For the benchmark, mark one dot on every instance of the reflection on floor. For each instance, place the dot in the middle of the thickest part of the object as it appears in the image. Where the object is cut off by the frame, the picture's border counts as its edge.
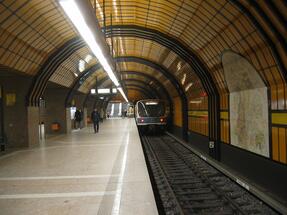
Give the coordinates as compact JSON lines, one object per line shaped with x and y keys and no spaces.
{"x":80,"y":173}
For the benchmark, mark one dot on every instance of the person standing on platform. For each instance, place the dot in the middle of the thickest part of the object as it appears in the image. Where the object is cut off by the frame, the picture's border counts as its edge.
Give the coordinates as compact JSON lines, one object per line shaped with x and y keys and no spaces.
{"x":78,"y":119}
{"x":95,"y":116}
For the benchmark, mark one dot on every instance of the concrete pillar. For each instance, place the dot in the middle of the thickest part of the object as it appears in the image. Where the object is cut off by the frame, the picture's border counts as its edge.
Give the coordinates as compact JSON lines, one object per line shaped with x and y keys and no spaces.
{"x":18,"y":131}
{"x":68,"y":123}
{"x":33,"y":125}
{"x":55,"y":110}
{"x":85,"y":115}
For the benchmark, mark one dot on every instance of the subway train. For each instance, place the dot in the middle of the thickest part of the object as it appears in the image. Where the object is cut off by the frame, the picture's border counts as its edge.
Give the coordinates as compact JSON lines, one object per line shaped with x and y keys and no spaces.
{"x":151,"y":115}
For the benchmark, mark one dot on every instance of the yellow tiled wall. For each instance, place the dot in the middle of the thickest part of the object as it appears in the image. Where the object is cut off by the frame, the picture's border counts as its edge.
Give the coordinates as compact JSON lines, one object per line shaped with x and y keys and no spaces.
{"x":177,"y":116}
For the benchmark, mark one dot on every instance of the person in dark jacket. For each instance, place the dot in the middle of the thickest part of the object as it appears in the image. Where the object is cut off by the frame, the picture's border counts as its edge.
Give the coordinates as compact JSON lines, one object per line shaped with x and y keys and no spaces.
{"x":95,"y":116}
{"x":78,"y":119}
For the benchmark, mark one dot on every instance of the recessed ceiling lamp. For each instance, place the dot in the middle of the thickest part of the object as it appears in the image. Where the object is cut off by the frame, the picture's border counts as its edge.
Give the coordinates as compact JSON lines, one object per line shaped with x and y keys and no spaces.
{"x":88,"y":58}
{"x":82,"y":65}
{"x":183,"y":79}
{"x":73,"y":12}
{"x":195,"y":102}
{"x":188,"y":86}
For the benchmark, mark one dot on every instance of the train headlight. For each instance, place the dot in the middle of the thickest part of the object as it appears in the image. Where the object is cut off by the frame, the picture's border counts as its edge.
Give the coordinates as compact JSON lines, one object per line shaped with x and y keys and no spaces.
{"x":161,"y":119}
{"x":141,"y":120}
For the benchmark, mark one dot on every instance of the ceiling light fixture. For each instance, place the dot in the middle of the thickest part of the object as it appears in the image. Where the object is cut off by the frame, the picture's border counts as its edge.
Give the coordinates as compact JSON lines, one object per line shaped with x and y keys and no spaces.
{"x":123,"y":94}
{"x":93,"y":91}
{"x":188,"y":86}
{"x":73,"y":12}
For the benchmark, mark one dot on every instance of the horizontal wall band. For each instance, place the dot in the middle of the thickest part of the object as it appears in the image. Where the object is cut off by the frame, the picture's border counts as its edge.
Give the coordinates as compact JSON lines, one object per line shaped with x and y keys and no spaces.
{"x":224,"y":115}
{"x":279,"y":118}
{"x":204,"y":113}
{"x":199,"y":114}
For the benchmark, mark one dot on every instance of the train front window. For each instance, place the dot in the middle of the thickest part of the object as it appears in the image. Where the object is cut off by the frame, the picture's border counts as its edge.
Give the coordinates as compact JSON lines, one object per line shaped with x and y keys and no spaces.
{"x":151,"y":109}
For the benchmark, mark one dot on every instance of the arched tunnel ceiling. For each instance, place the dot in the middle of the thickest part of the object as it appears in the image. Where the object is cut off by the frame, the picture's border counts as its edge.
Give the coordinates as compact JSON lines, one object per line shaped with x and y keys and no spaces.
{"x":207,"y":27}
{"x":69,"y":70}
{"x":30,"y":31}
{"x":137,"y":82}
{"x":135,"y":95}
{"x":90,"y":82}
{"x":128,"y":77}
{"x":134,"y":66}
{"x":130,"y":66}
{"x":151,"y":81}
{"x":33,"y":30}
{"x":132,"y":46}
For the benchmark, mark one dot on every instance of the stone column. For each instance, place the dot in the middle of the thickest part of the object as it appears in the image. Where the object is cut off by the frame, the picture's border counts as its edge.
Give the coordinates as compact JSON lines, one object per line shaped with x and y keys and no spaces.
{"x":33,"y":125}
{"x":85,"y":115}
{"x":68,"y":123}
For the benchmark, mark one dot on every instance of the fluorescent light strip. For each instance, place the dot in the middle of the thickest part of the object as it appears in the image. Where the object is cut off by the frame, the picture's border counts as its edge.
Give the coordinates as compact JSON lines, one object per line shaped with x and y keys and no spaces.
{"x":104,"y":91}
{"x":73,"y":12}
{"x":71,"y":9}
{"x":123,"y":94}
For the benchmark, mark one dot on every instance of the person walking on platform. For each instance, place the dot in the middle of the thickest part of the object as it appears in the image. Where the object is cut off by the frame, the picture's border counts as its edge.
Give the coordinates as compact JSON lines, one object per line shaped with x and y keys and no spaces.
{"x":95,"y":116}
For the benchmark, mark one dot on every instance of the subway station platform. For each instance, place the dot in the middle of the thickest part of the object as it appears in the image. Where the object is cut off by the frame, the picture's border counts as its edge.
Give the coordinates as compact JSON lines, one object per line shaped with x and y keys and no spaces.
{"x":80,"y":173}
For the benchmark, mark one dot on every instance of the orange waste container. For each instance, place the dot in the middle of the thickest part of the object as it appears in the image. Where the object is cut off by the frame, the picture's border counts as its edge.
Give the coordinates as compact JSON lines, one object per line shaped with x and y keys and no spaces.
{"x":55,"y":126}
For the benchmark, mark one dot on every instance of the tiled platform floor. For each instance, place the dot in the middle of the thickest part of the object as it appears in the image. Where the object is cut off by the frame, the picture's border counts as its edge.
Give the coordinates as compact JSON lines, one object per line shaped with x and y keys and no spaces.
{"x":80,"y":173}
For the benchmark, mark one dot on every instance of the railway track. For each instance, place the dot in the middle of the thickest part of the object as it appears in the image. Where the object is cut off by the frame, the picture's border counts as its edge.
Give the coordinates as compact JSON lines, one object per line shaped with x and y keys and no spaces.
{"x":188,"y":185}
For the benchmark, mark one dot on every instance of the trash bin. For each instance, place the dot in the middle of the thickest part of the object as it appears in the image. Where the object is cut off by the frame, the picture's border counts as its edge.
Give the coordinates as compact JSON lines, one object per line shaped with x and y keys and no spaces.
{"x":42,"y":131}
{"x":55,"y":126}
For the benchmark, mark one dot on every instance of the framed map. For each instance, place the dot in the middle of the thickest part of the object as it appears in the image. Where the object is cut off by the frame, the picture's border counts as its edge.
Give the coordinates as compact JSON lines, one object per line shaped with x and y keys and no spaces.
{"x":248,"y":105}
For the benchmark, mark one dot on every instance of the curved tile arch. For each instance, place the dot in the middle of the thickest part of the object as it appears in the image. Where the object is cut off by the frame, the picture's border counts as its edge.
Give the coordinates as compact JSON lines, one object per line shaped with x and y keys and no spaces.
{"x":148,"y":49}
{"x":49,"y":67}
{"x":135,"y":95}
{"x":153,"y":90}
{"x":84,"y":75}
{"x":72,"y":67}
{"x":146,"y":76}
{"x":230,"y":27}
{"x":30,"y":31}
{"x":266,"y":24}
{"x":151,"y":78}
{"x":91,"y":80}
{"x":144,"y":89}
{"x":140,"y":74}
{"x":174,"y":45}
{"x":140,"y":91}
{"x":135,"y":66}
{"x":207,"y":26}
{"x":88,"y":73}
